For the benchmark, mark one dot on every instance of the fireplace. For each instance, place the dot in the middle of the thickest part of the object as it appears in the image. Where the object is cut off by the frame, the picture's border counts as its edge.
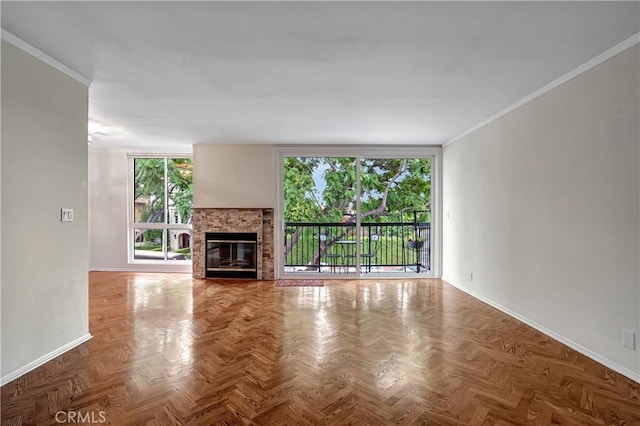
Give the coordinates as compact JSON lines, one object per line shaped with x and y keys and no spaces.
{"x":208,"y":220}
{"x":231,"y":255}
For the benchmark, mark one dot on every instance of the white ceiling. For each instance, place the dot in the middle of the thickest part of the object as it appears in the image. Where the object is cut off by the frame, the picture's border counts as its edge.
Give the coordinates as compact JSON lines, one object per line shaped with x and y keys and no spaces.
{"x":175,"y":73}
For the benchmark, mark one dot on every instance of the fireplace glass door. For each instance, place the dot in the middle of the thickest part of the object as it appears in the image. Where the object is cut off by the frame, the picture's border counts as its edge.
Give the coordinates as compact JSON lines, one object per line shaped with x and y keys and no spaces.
{"x":231,"y":255}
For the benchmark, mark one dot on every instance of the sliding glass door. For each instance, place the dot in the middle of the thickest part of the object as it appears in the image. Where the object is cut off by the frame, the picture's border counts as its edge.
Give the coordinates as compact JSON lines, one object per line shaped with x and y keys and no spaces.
{"x":346,"y":216}
{"x":395,"y":215}
{"x":320,"y":214}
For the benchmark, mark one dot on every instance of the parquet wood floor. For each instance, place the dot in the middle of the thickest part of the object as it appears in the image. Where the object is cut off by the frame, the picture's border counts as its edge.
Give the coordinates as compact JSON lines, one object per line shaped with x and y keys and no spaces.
{"x":168,"y":349}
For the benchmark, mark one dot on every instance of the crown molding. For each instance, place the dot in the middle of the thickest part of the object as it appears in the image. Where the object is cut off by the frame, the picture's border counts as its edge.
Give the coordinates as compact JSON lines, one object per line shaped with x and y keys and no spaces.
{"x":26,"y":47}
{"x":608,"y":54}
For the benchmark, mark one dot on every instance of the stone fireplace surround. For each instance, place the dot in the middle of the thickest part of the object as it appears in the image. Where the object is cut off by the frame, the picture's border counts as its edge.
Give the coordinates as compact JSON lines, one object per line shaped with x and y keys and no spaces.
{"x":256,"y":220}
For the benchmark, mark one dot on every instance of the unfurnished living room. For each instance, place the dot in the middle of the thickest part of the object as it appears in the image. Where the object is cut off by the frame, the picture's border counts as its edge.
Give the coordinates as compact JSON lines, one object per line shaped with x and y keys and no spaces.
{"x":321,"y":213}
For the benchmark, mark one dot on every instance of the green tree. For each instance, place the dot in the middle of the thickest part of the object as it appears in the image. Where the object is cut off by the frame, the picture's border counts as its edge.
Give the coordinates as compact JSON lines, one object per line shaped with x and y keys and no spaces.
{"x":390,"y":187}
{"x":180,"y":186}
{"x":149,"y":189}
{"x":301,"y":202}
{"x":150,"y":184}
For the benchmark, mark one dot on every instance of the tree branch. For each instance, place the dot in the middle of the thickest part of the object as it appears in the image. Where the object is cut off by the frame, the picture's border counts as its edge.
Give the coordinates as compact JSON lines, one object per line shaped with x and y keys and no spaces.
{"x":383,"y":205}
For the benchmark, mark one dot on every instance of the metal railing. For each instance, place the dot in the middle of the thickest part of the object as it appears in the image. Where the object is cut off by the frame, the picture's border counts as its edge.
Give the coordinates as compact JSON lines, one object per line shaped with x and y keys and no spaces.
{"x":331,"y":247}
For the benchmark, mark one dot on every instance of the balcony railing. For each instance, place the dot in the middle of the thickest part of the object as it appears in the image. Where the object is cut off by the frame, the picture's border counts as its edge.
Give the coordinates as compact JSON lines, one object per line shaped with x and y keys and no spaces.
{"x":331,"y":247}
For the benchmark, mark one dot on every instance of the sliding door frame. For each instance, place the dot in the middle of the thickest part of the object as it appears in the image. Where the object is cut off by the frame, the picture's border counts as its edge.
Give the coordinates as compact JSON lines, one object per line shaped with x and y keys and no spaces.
{"x":360,"y":152}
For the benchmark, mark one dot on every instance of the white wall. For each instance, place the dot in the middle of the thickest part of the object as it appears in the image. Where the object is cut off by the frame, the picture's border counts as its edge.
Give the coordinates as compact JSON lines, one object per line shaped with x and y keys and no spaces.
{"x":44,"y":168}
{"x":108,"y":210}
{"x":108,"y":185}
{"x":543,"y":208}
{"x":234,"y":176}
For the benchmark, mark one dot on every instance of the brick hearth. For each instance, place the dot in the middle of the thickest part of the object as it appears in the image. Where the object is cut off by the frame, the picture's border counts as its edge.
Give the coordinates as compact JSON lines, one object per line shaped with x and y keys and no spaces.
{"x":234,"y":220}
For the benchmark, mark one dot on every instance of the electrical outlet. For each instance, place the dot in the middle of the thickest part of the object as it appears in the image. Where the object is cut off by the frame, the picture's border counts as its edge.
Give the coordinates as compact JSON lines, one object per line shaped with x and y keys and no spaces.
{"x":628,"y":339}
{"x":66,"y":215}
{"x":471,"y":276}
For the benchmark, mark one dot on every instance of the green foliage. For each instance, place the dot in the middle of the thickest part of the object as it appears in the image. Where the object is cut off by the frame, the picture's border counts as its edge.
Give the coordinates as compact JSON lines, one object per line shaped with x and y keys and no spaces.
{"x":149,"y":247}
{"x":391,"y":250}
{"x":149,"y":188}
{"x":152,"y":236}
{"x":180,"y":186}
{"x":390,"y":188}
{"x":303,"y":252}
{"x":299,"y":199}
{"x":340,"y":188}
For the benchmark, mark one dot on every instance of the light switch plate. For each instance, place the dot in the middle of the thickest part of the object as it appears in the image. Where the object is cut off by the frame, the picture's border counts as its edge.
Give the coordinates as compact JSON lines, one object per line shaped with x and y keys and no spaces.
{"x":628,"y":339}
{"x":66,"y":215}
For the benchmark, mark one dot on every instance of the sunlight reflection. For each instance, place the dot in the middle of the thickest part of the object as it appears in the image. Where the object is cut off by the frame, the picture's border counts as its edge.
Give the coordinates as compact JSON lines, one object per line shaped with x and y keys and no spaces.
{"x":397,"y":360}
{"x":163,"y":318}
{"x":317,"y":305}
{"x":314,"y":297}
{"x":365,"y":297}
{"x":379,"y":287}
{"x":323,"y":330}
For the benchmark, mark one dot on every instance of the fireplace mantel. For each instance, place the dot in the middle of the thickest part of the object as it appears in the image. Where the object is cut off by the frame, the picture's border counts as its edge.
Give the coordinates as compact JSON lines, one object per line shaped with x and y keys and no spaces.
{"x":258,"y":220}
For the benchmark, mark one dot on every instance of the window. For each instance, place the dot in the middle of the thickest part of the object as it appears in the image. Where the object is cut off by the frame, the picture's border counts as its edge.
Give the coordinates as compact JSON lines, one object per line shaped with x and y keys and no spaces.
{"x":359,"y":211}
{"x":160,"y":213}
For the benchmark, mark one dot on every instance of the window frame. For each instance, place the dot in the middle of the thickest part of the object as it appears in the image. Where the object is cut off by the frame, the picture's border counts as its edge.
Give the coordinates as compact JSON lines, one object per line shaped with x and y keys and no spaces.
{"x":359,"y":152}
{"x":132,"y":225}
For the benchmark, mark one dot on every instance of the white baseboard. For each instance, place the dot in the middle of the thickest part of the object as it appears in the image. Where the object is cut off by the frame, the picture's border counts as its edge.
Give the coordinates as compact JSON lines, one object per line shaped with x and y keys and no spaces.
{"x":92,"y":269}
{"x":559,"y":337}
{"x":44,"y":359}
{"x":151,"y":268}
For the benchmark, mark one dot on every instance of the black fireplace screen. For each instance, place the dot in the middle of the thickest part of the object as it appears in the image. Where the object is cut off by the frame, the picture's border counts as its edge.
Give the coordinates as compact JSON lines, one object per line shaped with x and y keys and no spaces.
{"x":231,"y":255}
